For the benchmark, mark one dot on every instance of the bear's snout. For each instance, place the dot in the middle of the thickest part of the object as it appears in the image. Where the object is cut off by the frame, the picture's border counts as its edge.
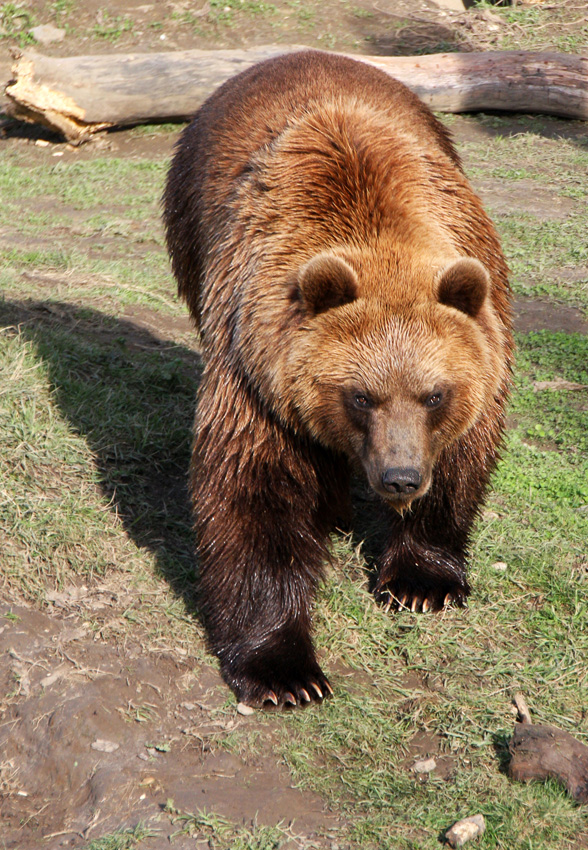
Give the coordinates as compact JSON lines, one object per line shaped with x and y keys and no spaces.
{"x":404,"y":481}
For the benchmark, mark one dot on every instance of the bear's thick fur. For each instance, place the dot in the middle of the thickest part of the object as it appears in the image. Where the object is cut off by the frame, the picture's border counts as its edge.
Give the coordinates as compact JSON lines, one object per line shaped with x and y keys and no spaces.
{"x":352,"y":300}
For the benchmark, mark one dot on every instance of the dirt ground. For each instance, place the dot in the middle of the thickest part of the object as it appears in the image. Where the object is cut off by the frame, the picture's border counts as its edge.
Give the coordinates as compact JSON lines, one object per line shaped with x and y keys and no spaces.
{"x":77,"y":760}
{"x":98,"y":734}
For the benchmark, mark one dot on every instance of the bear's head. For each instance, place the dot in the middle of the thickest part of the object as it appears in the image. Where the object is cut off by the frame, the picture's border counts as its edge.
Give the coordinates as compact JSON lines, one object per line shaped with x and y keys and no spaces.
{"x":391,"y":375}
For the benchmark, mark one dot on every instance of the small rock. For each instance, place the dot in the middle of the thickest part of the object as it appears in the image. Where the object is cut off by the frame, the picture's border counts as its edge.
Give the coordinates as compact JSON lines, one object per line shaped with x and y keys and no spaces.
{"x":104,"y":746}
{"x":424,"y":765}
{"x":41,"y":143}
{"x":50,"y":679}
{"x":245,"y":710}
{"x":466,"y":829}
{"x":47,"y":33}
{"x":501,"y":566}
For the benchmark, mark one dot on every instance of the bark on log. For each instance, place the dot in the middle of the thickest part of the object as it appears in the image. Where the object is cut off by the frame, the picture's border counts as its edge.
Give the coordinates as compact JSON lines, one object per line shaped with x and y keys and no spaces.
{"x":81,"y":95}
{"x":539,"y":752}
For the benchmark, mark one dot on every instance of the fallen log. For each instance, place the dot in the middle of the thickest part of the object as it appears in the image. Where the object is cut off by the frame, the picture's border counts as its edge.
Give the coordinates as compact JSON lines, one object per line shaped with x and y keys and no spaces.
{"x":81,"y":95}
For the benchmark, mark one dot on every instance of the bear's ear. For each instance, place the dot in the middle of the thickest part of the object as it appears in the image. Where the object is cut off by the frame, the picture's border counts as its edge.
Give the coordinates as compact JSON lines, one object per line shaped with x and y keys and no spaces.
{"x":464,"y":285}
{"x":326,"y":282}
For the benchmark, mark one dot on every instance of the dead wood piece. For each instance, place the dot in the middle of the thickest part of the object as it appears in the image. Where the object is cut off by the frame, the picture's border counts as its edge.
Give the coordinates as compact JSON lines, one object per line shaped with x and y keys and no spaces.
{"x":522,"y":708}
{"x":80,"y":95}
{"x":539,"y":752}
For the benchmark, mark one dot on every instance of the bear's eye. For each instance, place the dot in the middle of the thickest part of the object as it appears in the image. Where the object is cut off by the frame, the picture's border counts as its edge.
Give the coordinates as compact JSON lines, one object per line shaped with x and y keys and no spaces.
{"x":362,"y":401}
{"x":434,"y":400}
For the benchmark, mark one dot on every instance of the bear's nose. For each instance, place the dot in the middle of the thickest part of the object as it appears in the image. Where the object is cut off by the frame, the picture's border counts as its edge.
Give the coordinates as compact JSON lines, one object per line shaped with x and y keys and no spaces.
{"x":401,"y":480}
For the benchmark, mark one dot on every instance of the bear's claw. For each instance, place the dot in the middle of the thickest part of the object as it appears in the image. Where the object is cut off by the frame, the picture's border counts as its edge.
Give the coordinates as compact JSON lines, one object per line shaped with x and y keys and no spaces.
{"x":294,"y":691}
{"x":297,"y":696}
{"x":416,"y":603}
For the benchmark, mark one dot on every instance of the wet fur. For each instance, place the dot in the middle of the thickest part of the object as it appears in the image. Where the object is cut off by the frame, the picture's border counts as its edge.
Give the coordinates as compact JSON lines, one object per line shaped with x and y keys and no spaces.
{"x":300,"y":156}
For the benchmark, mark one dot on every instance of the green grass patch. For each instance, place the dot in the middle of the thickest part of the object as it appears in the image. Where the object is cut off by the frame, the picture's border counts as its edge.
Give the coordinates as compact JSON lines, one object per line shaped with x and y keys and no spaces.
{"x":118,"y":244}
{"x":547,"y":356}
{"x":86,"y":184}
{"x":84,"y":417}
{"x":537,"y":250}
{"x":533,"y":27}
{"x":224,"y":13}
{"x":124,"y":839}
{"x":547,"y":256}
{"x":223,"y":834}
{"x":112,"y":27}
{"x":15,"y":21}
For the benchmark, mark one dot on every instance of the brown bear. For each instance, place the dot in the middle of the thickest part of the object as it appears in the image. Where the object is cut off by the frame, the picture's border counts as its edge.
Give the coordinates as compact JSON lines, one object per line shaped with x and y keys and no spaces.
{"x":353,"y":306}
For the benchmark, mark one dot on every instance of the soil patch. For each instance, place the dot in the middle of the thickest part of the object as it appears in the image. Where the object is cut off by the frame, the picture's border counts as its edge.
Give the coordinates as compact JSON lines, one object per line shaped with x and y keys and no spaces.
{"x":523,"y":196}
{"x":97,"y":736}
{"x":538,"y":315}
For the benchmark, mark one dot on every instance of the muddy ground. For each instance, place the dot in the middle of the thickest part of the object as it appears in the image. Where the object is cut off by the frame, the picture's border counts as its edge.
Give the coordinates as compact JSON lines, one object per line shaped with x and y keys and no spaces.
{"x":98,"y":734}
{"x":102,"y":736}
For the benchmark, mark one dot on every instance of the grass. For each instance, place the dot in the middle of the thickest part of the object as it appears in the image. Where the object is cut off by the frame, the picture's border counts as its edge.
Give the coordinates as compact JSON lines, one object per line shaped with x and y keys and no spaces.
{"x":125,"y":839}
{"x":112,"y":27}
{"x":223,"y":11}
{"x":95,"y":420}
{"x":61,"y":9}
{"x":15,"y":22}
{"x":118,"y":246}
{"x":548,"y":256}
{"x":532,"y":27}
{"x":222,"y":834}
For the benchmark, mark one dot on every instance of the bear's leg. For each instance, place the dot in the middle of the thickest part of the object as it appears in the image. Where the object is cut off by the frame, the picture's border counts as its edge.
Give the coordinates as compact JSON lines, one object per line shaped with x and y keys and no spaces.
{"x":262,"y":519}
{"x":423,"y":566}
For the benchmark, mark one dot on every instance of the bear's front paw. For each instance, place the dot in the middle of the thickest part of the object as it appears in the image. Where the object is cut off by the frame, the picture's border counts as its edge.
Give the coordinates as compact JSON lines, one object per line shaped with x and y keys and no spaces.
{"x":400,"y":596}
{"x":268,"y":680}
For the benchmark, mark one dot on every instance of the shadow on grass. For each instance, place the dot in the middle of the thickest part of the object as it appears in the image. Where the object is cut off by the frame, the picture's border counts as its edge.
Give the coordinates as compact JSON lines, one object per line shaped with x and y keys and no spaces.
{"x":500,"y":743}
{"x":131,"y":395}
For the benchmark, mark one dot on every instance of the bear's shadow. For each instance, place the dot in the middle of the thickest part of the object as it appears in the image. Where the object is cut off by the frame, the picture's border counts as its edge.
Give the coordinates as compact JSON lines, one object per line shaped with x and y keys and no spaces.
{"x":130,"y":395}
